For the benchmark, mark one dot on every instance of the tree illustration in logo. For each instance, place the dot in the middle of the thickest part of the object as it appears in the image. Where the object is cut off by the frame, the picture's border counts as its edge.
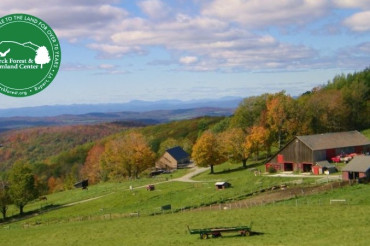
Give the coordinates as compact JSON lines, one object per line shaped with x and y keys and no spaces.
{"x":42,"y":56}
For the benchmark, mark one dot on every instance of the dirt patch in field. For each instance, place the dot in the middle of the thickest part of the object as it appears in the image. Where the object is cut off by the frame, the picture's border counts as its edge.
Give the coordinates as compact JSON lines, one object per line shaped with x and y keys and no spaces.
{"x":279,"y":194}
{"x":276,"y":194}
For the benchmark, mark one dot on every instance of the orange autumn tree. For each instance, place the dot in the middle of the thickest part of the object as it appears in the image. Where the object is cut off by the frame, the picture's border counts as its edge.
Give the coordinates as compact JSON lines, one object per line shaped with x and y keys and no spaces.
{"x":208,"y":151}
{"x":127,"y":156}
{"x":234,"y":142}
{"x":92,"y":168}
{"x":258,"y":138}
{"x":280,"y":115}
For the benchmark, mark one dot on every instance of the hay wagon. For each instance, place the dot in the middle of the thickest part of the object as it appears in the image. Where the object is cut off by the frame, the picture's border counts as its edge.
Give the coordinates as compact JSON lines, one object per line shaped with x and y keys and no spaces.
{"x":216,"y":231}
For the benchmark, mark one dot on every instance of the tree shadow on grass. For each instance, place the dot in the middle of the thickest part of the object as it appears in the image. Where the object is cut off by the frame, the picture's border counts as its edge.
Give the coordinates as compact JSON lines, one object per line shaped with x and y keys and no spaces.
{"x":30,"y":214}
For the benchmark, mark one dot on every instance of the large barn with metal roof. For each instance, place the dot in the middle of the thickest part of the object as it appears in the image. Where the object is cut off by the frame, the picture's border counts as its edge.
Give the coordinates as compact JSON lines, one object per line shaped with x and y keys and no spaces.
{"x":303,"y":152}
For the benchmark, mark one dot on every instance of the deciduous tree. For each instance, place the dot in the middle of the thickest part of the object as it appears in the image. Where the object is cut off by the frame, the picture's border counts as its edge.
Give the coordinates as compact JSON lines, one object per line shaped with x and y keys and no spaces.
{"x":92,"y":168}
{"x":280,"y":119}
{"x":257,"y":138}
{"x":207,"y":151}
{"x":5,"y":199}
{"x":249,"y":112}
{"x":22,"y":185}
{"x":127,"y":156}
{"x":234,"y":142}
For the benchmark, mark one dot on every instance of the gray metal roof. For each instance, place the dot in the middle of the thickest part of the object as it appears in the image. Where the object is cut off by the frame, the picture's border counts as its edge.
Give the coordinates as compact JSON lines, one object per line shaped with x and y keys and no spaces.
{"x":334,"y":140}
{"x":178,"y":153}
{"x":325,"y":164}
{"x":360,"y":163}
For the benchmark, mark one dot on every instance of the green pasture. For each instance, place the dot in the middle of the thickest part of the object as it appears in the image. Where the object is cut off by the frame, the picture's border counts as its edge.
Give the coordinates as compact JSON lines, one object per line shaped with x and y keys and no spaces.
{"x":103,"y":189}
{"x":106,"y":214}
{"x":119,"y":200}
{"x":276,"y":224}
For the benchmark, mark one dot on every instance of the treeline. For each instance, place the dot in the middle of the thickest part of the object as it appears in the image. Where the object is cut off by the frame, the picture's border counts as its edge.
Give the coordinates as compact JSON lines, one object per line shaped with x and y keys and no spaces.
{"x":261,"y":124}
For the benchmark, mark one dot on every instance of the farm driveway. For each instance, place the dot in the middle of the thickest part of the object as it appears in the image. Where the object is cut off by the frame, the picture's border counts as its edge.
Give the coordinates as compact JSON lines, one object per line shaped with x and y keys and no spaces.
{"x":195,"y":171}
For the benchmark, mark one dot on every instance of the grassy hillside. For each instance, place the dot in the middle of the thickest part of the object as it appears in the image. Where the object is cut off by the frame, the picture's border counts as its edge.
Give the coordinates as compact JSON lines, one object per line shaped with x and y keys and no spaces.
{"x":105,"y":221}
{"x":284,"y":225}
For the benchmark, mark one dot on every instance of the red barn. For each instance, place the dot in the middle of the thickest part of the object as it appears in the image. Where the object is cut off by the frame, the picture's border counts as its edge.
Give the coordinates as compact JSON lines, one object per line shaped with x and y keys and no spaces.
{"x":301,"y":153}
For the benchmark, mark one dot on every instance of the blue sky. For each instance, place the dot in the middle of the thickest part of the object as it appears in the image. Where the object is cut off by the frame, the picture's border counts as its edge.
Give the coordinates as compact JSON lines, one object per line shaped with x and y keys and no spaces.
{"x":122,"y":50}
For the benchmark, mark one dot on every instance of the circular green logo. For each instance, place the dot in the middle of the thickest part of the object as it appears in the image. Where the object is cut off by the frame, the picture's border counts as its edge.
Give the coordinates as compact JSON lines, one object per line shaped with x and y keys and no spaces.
{"x":29,"y":55}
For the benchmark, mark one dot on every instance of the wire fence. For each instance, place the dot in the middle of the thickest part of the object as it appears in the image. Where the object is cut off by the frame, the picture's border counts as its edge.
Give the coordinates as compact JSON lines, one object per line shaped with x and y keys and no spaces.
{"x":292,"y":198}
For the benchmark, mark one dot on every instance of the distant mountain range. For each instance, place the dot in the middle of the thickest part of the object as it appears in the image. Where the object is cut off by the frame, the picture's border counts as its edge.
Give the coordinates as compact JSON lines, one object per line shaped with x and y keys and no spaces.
{"x":133,"y":106}
{"x":136,"y":111}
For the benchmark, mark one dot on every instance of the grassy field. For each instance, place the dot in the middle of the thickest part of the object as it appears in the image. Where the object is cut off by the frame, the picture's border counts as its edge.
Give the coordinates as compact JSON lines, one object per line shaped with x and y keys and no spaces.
{"x":116,"y":198}
{"x":278,"y":224}
{"x":100,"y":215}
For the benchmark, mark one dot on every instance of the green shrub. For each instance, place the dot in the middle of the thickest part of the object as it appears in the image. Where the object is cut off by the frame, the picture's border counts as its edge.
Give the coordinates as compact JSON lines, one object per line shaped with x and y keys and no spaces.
{"x":271,"y":170}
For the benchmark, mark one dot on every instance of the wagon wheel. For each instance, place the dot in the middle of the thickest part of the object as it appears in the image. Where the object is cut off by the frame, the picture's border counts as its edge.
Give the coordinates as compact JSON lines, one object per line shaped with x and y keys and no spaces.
{"x":204,"y":236}
{"x":245,"y":233}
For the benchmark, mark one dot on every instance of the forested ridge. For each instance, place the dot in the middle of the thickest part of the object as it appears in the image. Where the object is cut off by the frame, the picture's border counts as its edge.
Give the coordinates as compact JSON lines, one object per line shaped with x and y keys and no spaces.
{"x":41,"y":143}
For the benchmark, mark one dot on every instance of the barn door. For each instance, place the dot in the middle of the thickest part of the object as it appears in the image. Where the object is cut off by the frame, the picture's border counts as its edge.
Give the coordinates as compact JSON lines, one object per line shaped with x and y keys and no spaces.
{"x":330,"y":153}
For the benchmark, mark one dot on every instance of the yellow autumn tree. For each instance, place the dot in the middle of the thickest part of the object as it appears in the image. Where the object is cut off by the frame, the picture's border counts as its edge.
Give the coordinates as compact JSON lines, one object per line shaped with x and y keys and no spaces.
{"x":208,"y":151}
{"x":127,"y":156}
{"x":258,"y":138}
{"x":234,"y":142}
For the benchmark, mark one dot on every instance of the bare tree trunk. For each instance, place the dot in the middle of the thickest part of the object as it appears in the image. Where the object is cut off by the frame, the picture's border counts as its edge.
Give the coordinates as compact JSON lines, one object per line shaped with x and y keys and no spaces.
{"x":3,"y":211}
{"x":21,"y":209}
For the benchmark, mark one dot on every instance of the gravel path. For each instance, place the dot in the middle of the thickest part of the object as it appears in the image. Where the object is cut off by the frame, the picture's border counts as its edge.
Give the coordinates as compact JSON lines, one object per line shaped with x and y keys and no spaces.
{"x":195,"y":171}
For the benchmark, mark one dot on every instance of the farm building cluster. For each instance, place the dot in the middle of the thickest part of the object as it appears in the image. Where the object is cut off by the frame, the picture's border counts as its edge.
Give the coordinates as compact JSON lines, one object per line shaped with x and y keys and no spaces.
{"x":317,"y":153}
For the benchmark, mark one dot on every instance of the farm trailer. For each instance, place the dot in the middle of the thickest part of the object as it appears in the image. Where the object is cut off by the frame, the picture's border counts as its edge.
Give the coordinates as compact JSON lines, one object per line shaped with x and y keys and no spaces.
{"x":216,"y":231}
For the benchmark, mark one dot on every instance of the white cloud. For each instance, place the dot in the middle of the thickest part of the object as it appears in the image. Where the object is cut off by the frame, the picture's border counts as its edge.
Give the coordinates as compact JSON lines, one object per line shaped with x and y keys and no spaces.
{"x":262,"y":13}
{"x":359,"y":22}
{"x":188,"y":60}
{"x":70,"y":19}
{"x":221,"y":45}
{"x":225,"y":34}
{"x":155,"y":9}
{"x":364,"y":4}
